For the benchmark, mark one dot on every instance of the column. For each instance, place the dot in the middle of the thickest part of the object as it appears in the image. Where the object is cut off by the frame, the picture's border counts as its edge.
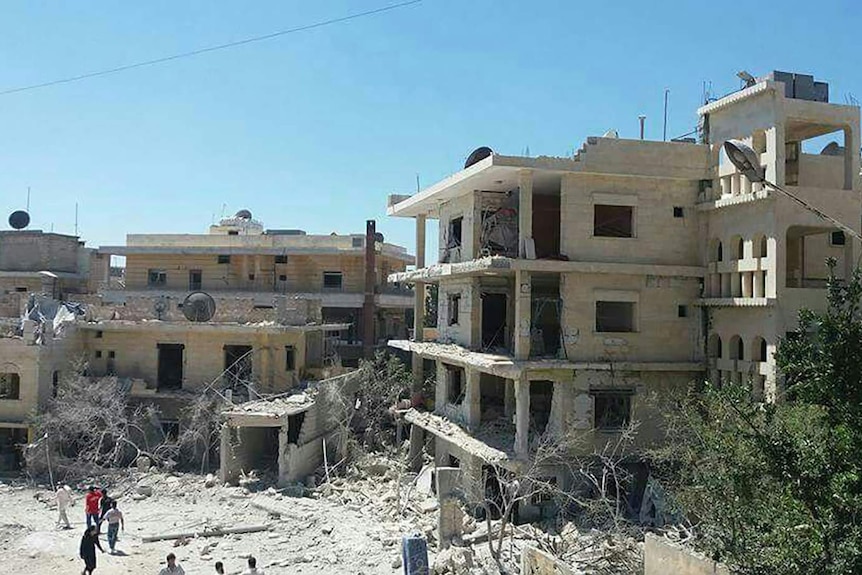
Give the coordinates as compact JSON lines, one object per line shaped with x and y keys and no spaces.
{"x":442,"y":387}
{"x":472,"y":397}
{"x":509,"y":398}
{"x":522,"y":417}
{"x":735,"y":285}
{"x":419,"y":302}
{"x":417,"y":442}
{"x":257,"y":270}
{"x":851,"y":157}
{"x":746,"y":284}
{"x":725,"y":285}
{"x":525,"y":210}
{"x":243,"y":271}
{"x":775,"y":154}
{"x":523,"y":314}
{"x":758,"y":289}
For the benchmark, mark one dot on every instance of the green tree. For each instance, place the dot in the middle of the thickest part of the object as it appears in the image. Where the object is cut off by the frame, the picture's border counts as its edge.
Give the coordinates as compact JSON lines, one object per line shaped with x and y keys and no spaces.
{"x":777,"y":488}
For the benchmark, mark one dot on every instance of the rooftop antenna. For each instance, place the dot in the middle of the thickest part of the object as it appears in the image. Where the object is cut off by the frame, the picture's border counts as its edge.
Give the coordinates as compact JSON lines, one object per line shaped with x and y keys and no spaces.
{"x":28,"y":199}
{"x":642,"y":118}
{"x":223,"y":208}
{"x":747,"y":78}
{"x":417,"y":183}
{"x":76,"y":218}
{"x":664,"y":130}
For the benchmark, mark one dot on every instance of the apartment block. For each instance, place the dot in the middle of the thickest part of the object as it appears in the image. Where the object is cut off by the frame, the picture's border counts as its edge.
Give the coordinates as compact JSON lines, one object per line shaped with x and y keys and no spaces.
{"x":574,"y":291}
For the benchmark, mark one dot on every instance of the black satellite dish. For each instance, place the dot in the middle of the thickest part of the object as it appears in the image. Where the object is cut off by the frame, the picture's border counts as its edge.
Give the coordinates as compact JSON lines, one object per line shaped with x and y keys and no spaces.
{"x":19,"y":219}
{"x":199,"y":307}
{"x":478,"y":155}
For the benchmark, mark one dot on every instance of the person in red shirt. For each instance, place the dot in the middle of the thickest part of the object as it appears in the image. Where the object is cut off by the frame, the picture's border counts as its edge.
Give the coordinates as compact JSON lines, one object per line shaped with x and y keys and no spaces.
{"x":91,"y":506}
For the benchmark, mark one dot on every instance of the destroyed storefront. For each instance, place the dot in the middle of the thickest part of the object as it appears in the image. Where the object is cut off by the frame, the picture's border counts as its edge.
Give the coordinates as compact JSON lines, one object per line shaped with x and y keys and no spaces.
{"x":283,"y":438}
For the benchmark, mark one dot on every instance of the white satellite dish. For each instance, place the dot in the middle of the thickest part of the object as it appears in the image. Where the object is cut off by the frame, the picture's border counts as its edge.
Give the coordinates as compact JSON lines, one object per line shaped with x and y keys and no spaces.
{"x":611,"y":134}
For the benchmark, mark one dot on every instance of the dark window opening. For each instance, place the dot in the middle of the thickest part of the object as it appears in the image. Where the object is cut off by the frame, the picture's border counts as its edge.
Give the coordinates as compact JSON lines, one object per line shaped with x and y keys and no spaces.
{"x":157,"y":278}
{"x":233,"y":232}
{"x":762,"y":350}
{"x":294,"y":427}
{"x":357,"y":242}
{"x":454,"y":384}
{"x":99,"y":334}
{"x":541,"y":397}
{"x":719,"y":253}
{"x":454,"y":461}
{"x":98,"y":354}
{"x":494,"y":320}
{"x":332,"y":280}
{"x":171,"y":429}
{"x":251,"y":277}
{"x":170,"y":366}
{"x":682,"y":311}
{"x":613,"y":221}
{"x":677,"y":211}
{"x":289,"y":358}
{"x":837,"y":239}
{"x":281,"y":259}
{"x":612,"y":409}
{"x":223,"y":259}
{"x":546,"y":225}
{"x":455,"y":232}
{"x":238,"y":367}
{"x":615,"y":316}
{"x":10,"y":386}
{"x":21,"y":289}
{"x":282,"y":277}
{"x":112,"y":354}
{"x":195,"y":280}
{"x":55,"y":383}
{"x":492,"y":397}
{"x":545,"y":316}
{"x":454,"y":305}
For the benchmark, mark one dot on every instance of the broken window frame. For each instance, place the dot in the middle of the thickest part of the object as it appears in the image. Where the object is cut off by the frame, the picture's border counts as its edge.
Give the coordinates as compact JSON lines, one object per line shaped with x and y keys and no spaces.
{"x":619,"y":400}
{"x":616,"y":224}
{"x":603,"y":316}
{"x":451,"y":381}
{"x":157,"y":277}
{"x":223,"y":259}
{"x":455,"y":228}
{"x":835,"y":242}
{"x":281,"y":259}
{"x":10,"y":386}
{"x":332,"y":276}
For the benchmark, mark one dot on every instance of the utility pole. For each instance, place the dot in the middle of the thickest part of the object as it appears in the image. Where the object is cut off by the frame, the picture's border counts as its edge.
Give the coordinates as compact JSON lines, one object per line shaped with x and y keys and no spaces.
{"x":370,"y":281}
{"x":664,"y":131}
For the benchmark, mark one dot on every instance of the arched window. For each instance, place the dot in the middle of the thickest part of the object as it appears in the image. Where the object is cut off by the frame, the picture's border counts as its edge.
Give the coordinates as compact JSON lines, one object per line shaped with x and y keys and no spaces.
{"x":737,"y":248}
{"x":758,"y":349}
{"x":719,"y":252}
{"x":737,"y":348}
{"x":763,"y":247}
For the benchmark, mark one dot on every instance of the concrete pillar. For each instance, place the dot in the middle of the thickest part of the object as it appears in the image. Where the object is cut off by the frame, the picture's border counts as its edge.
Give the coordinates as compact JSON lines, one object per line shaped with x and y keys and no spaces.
{"x":440,"y":399}
{"x":523,"y":314}
{"x":525,"y":210}
{"x":734,"y":184}
{"x":758,"y":287}
{"x":227,"y":469}
{"x":725,"y":285}
{"x":243,"y":271}
{"x":522,"y":418}
{"x":417,"y":444}
{"x":473,"y":397}
{"x":283,"y":456}
{"x":257,"y":270}
{"x":776,"y":154}
{"x":509,"y":398}
{"x":746,"y":284}
{"x":851,"y":157}
{"x":419,"y":302}
{"x":475,"y":231}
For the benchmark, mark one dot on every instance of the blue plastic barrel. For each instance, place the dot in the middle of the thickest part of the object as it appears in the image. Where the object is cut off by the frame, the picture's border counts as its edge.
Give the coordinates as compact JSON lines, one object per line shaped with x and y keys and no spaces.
{"x":414,"y":555}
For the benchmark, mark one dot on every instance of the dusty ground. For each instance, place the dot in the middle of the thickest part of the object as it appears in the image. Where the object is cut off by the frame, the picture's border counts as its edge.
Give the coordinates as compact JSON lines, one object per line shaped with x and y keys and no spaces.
{"x":336,"y":533}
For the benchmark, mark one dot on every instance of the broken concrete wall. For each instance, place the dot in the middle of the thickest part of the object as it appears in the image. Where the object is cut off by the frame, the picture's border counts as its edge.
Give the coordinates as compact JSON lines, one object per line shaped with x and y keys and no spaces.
{"x":463,"y":208}
{"x":466,"y":293}
{"x":536,"y":562}
{"x":662,"y":557}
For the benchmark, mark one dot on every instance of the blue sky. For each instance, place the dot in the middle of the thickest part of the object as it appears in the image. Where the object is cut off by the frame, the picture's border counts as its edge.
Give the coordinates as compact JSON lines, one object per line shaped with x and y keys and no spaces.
{"x":313,"y":130}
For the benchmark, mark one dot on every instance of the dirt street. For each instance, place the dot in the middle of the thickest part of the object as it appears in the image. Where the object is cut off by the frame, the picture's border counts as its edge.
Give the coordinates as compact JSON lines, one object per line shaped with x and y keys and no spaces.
{"x":334,"y":534}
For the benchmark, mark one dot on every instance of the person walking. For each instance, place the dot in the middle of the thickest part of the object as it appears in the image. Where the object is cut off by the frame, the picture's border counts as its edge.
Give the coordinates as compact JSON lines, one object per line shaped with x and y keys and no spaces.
{"x":104,"y":504}
{"x":252,"y":567}
{"x":64,"y":500}
{"x":172,"y":568}
{"x":91,"y":506}
{"x":89,"y":542}
{"x":115,"y":520}
{"x":219,"y":567}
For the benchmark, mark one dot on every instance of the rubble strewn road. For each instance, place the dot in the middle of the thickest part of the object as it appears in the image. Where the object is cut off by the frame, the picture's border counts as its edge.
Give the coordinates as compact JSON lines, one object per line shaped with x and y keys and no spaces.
{"x":335,"y":532}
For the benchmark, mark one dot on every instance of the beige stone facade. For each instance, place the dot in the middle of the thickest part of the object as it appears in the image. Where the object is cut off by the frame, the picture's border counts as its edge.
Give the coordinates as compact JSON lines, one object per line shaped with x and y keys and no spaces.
{"x":573,"y":290}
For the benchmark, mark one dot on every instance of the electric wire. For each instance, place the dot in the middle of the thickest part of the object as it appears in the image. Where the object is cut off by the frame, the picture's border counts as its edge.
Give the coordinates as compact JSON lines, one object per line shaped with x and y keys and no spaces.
{"x":208,"y":49}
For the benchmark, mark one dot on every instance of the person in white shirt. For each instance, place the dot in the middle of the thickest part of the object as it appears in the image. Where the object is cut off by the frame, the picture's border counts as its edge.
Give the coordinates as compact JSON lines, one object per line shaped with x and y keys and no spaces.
{"x":115,"y":520}
{"x":252,"y":568}
{"x":172,"y":568}
{"x":64,"y":500}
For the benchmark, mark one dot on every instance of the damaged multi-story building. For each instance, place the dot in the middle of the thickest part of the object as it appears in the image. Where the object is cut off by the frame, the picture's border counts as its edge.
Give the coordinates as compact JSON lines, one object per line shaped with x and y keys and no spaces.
{"x":573,"y":290}
{"x":33,"y":355}
{"x":244,"y":311}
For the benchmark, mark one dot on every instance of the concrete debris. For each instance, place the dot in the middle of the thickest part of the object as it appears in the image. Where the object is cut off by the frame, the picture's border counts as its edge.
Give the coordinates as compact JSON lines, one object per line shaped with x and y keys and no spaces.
{"x":454,"y":561}
{"x":210,"y":480}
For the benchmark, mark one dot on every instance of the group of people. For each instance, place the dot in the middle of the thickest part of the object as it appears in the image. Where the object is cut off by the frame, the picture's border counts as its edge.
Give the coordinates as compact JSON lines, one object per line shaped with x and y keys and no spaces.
{"x":100,"y":508}
{"x":174,"y":568}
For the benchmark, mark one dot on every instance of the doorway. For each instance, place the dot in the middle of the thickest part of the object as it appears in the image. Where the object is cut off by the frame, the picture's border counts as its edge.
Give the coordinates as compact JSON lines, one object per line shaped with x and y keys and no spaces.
{"x":170,"y":368}
{"x":493,"y":320}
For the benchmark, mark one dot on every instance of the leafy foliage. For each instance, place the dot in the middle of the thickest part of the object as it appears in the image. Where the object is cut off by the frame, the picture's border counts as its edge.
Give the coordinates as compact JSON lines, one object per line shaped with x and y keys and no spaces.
{"x":777,"y":488}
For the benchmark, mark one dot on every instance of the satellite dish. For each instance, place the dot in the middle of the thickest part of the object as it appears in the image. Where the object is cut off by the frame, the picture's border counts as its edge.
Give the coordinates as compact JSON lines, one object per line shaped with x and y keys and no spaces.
{"x":611,"y":134}
{"x":832,"y":149}
{"x":243,"y":215}
{"x":478,"y":155}
{"x":378,"y":237}
{"x":199,"y":307}
{"x":19,"y":219}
